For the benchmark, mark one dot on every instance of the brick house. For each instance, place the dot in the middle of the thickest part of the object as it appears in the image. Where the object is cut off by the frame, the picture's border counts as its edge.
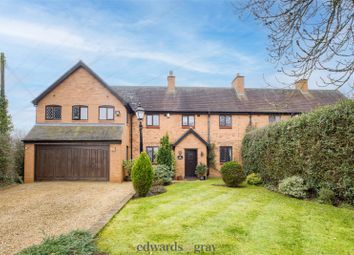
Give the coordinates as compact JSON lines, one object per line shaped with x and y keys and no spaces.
{"x":85,"y":128}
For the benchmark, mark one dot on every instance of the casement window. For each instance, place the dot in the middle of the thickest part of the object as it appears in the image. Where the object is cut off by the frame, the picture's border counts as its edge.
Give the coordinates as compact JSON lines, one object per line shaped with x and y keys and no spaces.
{"x":225,"y":121}
{"x":106,"y":113}
{"x":188,"y":121}
{"x":225,"y":154}
{"x":80,"y":112}
{"x":152,"y":152}
{"x":53,"y":112}
{"x":274,"y":118}
{"x":152,"y":120}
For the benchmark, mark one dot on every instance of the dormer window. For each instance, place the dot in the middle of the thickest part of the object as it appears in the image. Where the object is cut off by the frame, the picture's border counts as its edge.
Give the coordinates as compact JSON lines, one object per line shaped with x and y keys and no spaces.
{"x":106,"y":112}
{"x":80,"y":112}
{"x":53,"y":112}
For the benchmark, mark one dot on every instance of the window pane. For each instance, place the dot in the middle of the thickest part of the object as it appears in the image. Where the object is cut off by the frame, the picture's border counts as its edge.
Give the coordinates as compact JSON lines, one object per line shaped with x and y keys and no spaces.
{"x":76,"y":113}
{"x":149,"y":120}
{"x":191,"y":120}
{"x":49,"y":113}
{"x":103,"y":113}
{"x":57,"y":113}
{"x":271,"y":118}
{"x":185,"y":120}
{"x":229,"y":154}
{"x":228,"y":121}
{"x":222,"y":120}
{"x":149,"y":151}
{"x":110,"y":113}
{"x":83,"y":113}
{"x":155,"y":120}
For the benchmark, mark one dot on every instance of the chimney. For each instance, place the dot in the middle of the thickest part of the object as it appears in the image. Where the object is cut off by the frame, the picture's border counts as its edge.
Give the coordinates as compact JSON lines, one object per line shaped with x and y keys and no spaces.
{"x":171,"y":82}
{"x":302,"y":85}
{"x":239,"y":84}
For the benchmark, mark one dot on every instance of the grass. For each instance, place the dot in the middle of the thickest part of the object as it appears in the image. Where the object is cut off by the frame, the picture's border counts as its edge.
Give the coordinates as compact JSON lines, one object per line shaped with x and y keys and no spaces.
{"x":248,"y":220}
{"x":76,"y":242}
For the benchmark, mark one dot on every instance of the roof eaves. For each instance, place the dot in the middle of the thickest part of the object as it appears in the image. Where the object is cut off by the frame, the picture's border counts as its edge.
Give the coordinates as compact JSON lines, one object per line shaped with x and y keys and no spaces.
{"x":190,"y":131}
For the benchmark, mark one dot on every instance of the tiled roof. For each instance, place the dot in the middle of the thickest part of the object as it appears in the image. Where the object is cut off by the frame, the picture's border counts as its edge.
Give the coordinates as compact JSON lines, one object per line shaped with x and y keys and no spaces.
{"x":207,"y":99}
{"x":74,"y":133}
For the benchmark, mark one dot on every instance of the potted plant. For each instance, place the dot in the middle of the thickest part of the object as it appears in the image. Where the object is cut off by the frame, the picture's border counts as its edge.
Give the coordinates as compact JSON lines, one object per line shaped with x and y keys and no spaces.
{"x":201,"y":171}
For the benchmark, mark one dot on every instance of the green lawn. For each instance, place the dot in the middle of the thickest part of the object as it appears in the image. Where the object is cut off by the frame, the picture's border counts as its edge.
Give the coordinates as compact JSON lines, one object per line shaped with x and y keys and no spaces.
{"x":248,"y":220}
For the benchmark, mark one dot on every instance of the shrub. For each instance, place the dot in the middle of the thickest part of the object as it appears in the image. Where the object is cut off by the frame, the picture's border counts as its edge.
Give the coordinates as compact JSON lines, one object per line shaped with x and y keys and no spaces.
{"x":232,"y":174}
{"x":326,"y":196}
{"x":201,"y":170}
{"x":162,"y":175}
{"x":18,"y":159}
{"x":253,"y":179}
{"x":76,"y":242}
{"x":127,"y":166}
{"x":211,"y":155}
{"x":293,"y":186}
{"x":318,"y":146}
{"x":142,"y":174}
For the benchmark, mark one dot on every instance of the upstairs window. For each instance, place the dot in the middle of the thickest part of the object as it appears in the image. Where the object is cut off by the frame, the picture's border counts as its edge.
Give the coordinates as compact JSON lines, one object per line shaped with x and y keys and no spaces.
{"x":274,"y":118}
{"x":53,"y":112}
{"x":80,"y":112}
{"x":188,"y":121}
{"x":225,"y":154}
{"x":152,"y":120}
{"x":152,"y":152}
{"x":225,"y":121}
{"x":106,"y":113}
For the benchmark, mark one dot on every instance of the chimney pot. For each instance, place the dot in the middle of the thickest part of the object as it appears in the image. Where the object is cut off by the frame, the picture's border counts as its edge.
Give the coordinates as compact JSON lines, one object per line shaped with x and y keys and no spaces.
{"x":239,"y":84}
{"x":171,"y":82}
{"x":302,"y":85}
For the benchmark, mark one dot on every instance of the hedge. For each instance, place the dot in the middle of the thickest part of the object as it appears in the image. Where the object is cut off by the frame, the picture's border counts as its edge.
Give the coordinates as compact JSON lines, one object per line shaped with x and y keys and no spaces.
{"x":318,"y":146}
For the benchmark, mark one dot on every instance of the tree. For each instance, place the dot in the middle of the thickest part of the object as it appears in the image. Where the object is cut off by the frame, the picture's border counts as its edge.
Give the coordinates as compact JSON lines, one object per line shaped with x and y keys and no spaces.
{"x":5,"y":118}
{"x":164,"y":154}
{"x":5,"y":140}
{"x":308,"y":36}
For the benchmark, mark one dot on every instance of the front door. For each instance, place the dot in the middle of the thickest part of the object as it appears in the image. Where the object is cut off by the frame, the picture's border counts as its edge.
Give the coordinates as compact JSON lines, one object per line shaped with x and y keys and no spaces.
{"x":190,"y":162}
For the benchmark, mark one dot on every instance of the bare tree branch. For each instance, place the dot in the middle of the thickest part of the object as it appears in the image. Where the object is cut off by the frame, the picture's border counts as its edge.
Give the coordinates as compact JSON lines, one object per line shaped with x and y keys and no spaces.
{"x":307,"y":36}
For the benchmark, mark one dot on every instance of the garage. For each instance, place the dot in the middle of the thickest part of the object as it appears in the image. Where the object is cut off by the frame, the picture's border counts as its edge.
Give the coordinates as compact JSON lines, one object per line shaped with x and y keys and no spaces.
{"x":72,"y":162}
{"x":68,"y":152}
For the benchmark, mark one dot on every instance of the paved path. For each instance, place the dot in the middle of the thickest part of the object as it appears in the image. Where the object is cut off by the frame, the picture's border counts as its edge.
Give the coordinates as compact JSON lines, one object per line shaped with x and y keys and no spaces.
{"x":29,"y":212}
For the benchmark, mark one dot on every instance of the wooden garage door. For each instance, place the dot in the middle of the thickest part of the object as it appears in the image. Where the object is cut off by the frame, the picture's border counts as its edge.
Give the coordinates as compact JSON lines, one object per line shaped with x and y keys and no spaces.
{"x":72,"y":162}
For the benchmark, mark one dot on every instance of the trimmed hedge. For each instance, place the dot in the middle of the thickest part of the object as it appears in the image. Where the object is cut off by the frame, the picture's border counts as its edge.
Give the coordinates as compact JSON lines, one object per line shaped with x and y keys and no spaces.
{"x":317,"y":146}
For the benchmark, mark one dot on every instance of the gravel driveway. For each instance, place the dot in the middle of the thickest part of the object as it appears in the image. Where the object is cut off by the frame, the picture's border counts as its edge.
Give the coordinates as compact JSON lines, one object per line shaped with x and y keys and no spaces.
{"x":29,"y":212}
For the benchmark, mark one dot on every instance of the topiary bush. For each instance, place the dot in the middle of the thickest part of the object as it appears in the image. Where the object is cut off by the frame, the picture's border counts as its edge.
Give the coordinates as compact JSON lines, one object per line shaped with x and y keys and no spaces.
{"x":253,"y":179}
{"x":162,"y":175}
{"x":232,"y":174}
{"x":326,"y":196}
{"x":142,"y":174}
{"x":318,"y":146}
{"x":293,"y":186}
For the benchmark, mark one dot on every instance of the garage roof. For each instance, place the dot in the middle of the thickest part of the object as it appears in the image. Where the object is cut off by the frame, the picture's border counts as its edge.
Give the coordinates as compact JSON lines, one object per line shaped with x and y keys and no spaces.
{"x":74,"y":133}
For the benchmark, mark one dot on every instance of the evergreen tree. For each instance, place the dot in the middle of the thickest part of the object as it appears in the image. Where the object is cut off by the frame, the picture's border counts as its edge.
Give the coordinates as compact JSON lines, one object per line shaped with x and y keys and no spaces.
{"x":164,"y":154}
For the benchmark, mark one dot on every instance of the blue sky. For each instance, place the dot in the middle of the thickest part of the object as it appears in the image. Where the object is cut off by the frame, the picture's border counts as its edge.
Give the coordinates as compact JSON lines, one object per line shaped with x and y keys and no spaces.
{"x":128,"y":43}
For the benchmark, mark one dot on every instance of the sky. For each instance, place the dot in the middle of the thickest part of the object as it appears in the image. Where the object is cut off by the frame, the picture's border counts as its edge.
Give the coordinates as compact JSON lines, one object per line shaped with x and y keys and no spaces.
{"x":205,"y":43}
